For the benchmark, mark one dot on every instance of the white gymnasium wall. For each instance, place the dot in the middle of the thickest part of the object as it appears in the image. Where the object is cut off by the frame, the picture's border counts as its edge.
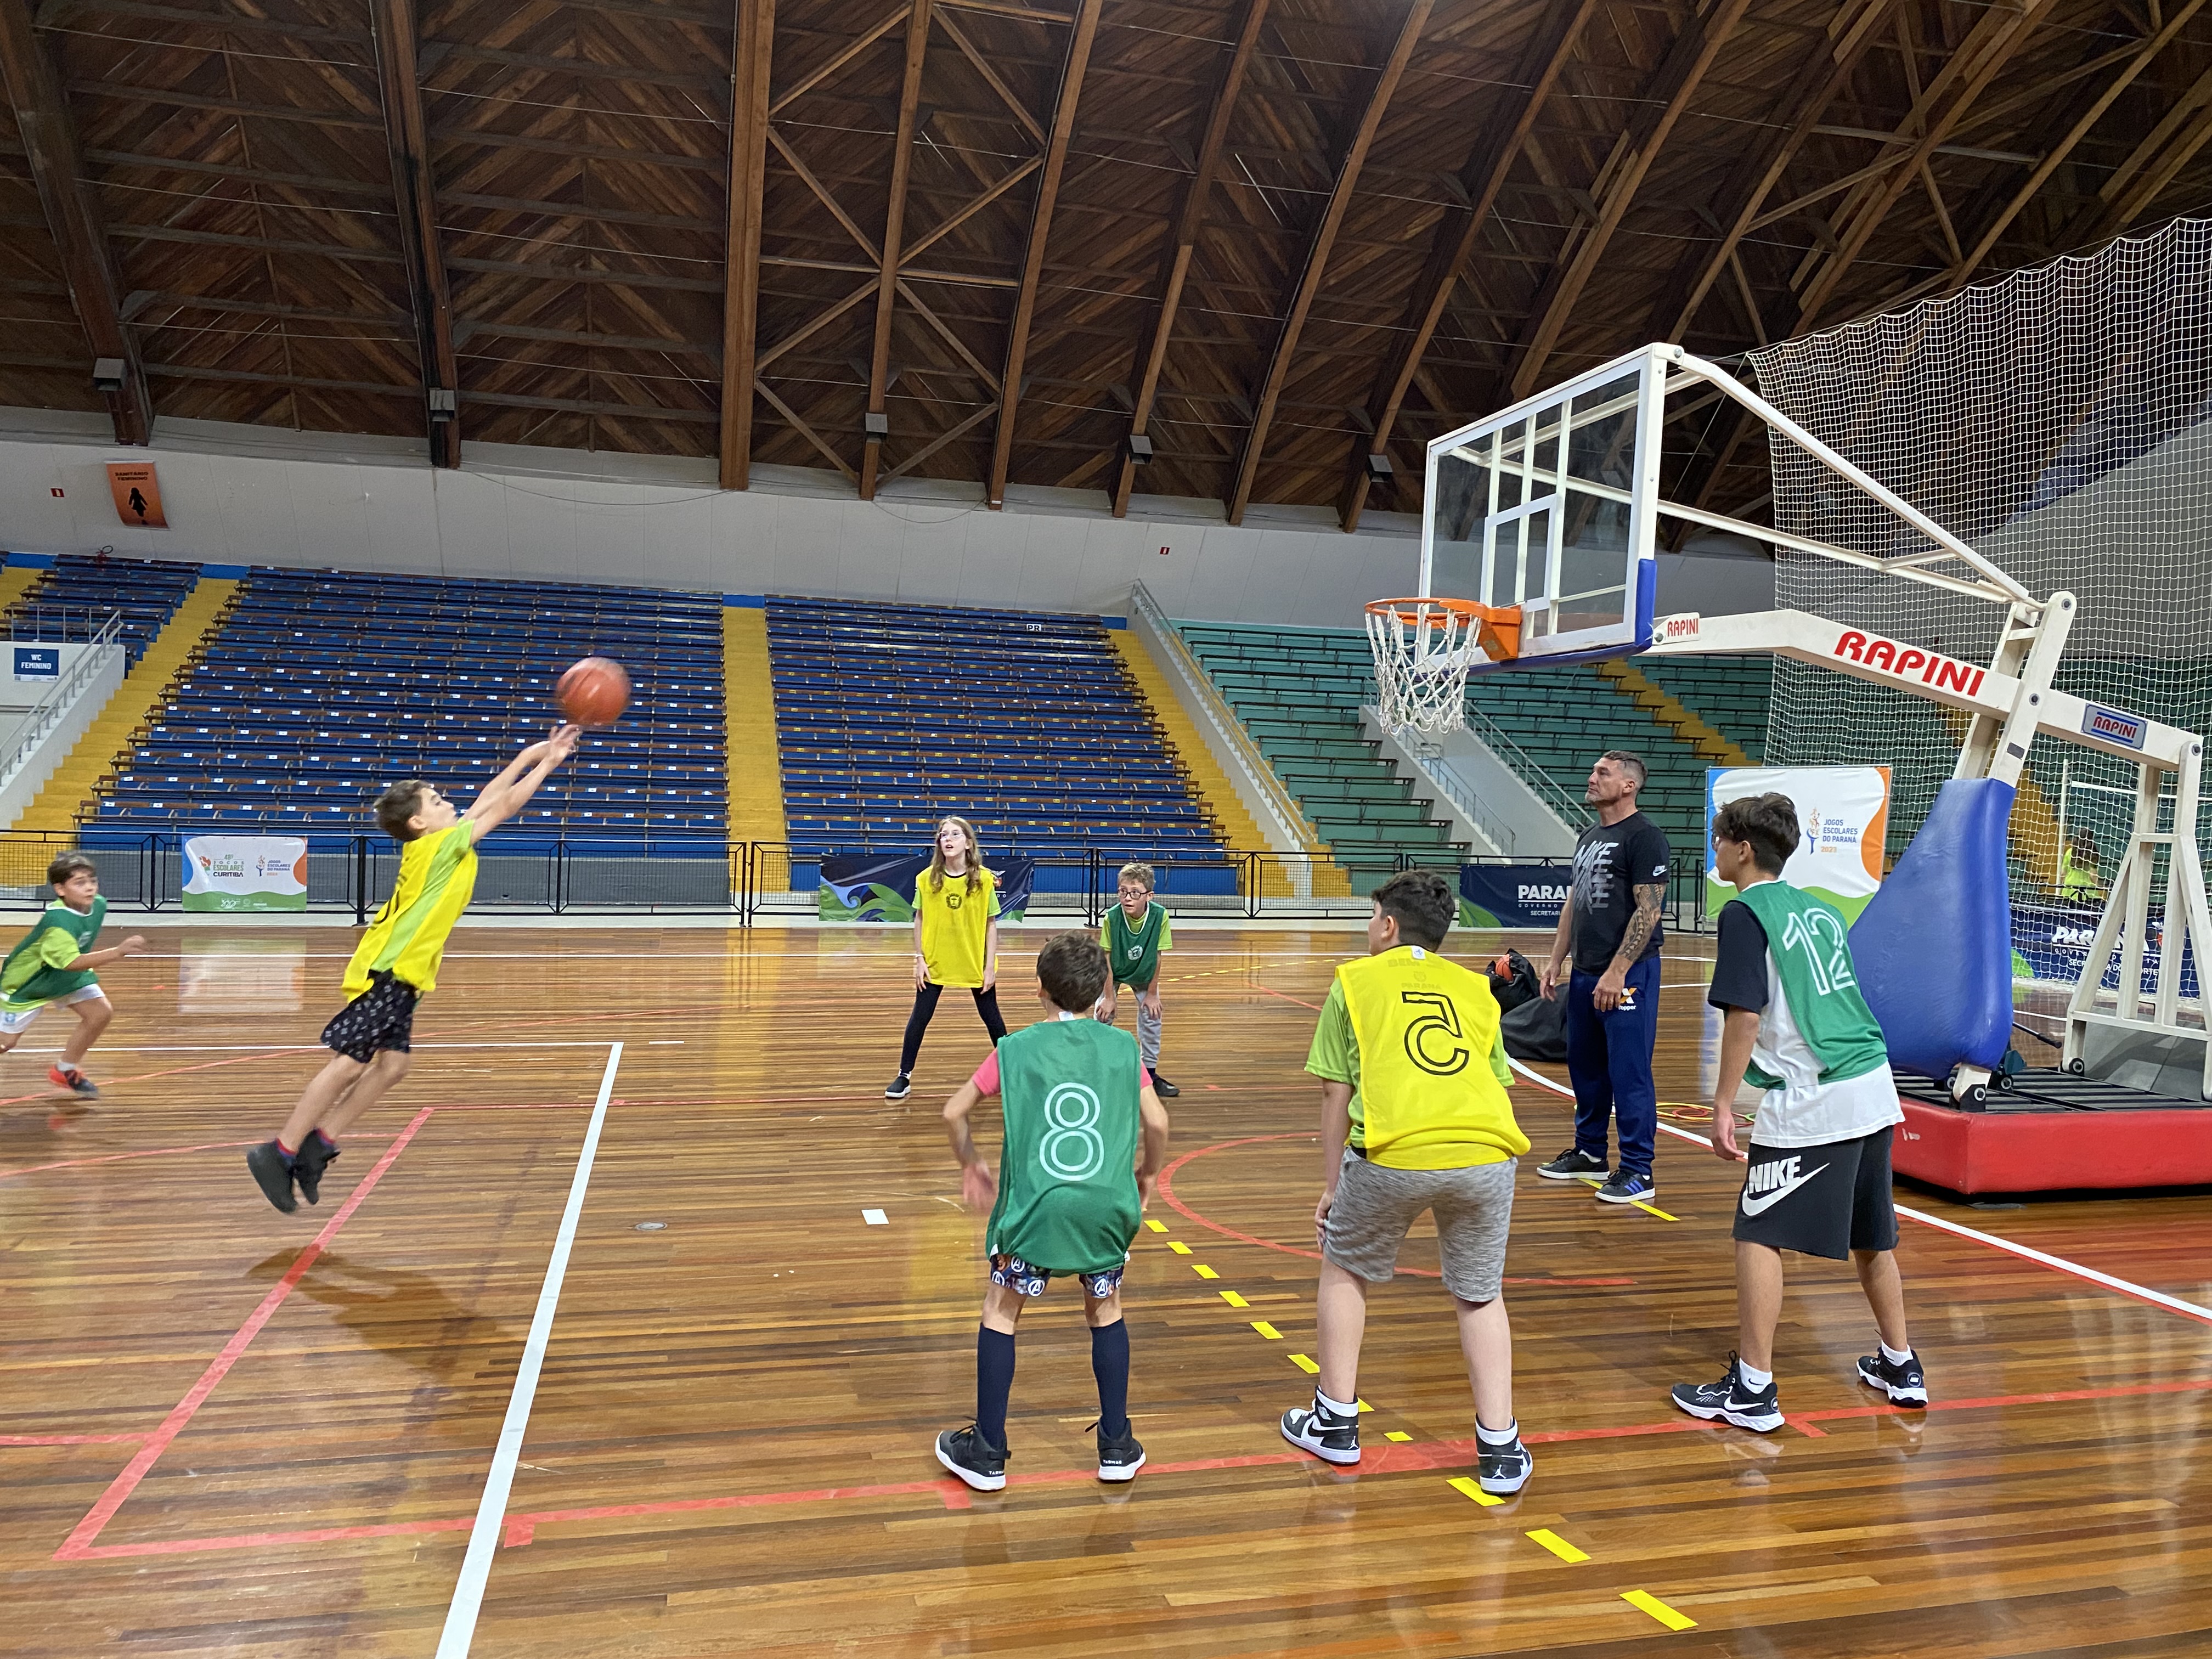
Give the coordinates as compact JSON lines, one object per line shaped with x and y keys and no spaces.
{"x":250,"y":495}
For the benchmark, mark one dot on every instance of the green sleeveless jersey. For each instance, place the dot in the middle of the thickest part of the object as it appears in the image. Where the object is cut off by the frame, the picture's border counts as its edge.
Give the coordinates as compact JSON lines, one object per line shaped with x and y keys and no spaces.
{"x":1068,"y":1171}
{"x":1133,"y":948}
{"x":1808,"y":942}
{"x":28,"y":978}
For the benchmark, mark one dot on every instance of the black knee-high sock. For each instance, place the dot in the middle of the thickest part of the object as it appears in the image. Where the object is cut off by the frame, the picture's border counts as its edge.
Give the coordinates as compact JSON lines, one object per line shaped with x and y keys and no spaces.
{"x":1109,"y":1364}
{"x":994,"y":1381}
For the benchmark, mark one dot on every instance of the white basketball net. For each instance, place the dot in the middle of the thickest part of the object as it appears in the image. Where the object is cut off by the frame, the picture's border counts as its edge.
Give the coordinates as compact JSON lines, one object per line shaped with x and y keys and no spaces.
{"x":1422,"y":650}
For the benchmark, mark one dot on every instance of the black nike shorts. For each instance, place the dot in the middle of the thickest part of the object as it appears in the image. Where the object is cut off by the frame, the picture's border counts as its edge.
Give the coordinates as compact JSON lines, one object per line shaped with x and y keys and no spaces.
{"x":1819,"y":1200}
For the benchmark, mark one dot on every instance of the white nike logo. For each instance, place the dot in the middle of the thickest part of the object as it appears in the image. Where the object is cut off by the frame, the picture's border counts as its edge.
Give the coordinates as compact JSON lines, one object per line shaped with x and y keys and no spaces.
{"x":1766,"y":1202}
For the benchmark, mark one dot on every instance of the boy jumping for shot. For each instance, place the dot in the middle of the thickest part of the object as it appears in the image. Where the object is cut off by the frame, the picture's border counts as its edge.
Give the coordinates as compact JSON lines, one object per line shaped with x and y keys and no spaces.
{"x":1075,"y":1097}
{"x":55,"y":963}
{"x":1794,"y":1024}
{"x":1414,"y":1116}
{"x":396,"y":964}
{"x":1135,"y":933}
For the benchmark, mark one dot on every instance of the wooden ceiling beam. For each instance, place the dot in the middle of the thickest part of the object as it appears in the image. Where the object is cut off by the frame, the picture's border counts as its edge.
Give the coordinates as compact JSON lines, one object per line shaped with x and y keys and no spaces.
{"x":879,"y":354}
{"x":640,"y":279}
{"x":2176,"y":19}
{"x":1483,"y":177}
{"x":1183,"y":247}
{"x":1080,"y":39}
{"x":53,"y":12}
{"x":2155,"y":163}
{"x":138,"y":302}
{"x":799,"y":425}
{"x":436,"y":53}
{"x":120,"y":158}
{"x":169,"y":98}
{"x":819,"y":321}
{"x":752,"y":53}
{"x":72,"y":213}
{"x":1314,"y":268}
{"x":374,"y":256}
{"x":1995,"y":37}
{"x":1011,"y":8}
{"x":580,"y":211}
{"x":968,"y":209}
{"x":1664,"y":102}
{"x":815,"y":77}
{"x":1825,"y":73}
{"x":255,"y":377}
{"x":574,"y":149}
{"x":470,"y":328}
{"x":589,"y":406}
{"x":414,"y":192}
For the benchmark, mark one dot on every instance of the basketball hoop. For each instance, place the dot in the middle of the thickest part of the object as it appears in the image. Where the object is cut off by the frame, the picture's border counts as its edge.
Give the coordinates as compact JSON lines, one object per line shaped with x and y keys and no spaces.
{"x":1423,"y":649}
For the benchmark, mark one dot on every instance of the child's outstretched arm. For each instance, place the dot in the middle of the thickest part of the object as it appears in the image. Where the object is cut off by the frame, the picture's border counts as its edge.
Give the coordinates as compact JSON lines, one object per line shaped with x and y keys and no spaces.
{"x":1155,"y":1117}
{"x":507,"y":794}
{"x":976,"y":1185}
{"x":129,"y":947}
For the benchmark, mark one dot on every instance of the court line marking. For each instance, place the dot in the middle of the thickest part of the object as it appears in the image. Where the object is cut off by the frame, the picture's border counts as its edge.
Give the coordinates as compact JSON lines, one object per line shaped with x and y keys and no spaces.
{"x":491,"y":1511}
{"x":304,"y":1047}
{"x":1393,"y":1459}
{"x":1644,"y":1601}
{"x":2124,"y":1287}
{"x":70,"y":1439}
{"x":1558,"y":1545}
{"x":79,"y":1545}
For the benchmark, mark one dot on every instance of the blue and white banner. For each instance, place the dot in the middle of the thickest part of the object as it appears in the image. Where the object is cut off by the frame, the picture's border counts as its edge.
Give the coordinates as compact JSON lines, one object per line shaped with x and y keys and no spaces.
{"x":1513,"y":895}
{"x":2050,"y":940}
{"x":879,"y":887}
{"x":37,"y":662}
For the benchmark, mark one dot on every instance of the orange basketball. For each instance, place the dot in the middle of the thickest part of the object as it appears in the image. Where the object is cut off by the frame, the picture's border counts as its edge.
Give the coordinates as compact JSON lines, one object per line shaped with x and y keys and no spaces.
{"x":595,"y":692}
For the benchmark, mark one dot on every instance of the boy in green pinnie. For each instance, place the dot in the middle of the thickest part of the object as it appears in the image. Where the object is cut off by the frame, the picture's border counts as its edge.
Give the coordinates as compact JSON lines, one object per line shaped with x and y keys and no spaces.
{"x":1075,"y":1098}
{"x":1135,"y":932}
{"x":55,"y":963}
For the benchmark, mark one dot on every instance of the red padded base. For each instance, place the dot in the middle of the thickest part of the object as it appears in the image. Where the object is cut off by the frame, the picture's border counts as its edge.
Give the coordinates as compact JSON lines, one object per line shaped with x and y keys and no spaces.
{"x":1972,"y":1153}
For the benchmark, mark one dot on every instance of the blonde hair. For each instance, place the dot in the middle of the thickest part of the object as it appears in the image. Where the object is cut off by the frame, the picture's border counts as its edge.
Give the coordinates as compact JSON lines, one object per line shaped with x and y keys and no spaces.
{"x":936,"y":874}
{"x":1139,"y":873}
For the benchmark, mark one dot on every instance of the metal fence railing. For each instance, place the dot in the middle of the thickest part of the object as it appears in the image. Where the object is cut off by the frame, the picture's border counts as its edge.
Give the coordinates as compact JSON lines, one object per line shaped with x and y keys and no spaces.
{"x":754,"y":882}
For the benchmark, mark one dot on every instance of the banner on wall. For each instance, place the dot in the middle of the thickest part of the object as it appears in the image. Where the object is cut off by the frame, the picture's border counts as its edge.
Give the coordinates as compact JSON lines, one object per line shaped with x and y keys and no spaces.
{"x":1842,"y":814}
{"x":879,"y":887}
{"x":1513,"y":895}
{"x":245,"y":872}
{"x":2050,"y":941}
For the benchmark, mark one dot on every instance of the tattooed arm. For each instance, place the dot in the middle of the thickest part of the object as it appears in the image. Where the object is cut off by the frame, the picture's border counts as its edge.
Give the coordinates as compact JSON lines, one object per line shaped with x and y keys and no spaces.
{"x":1606,"y":994}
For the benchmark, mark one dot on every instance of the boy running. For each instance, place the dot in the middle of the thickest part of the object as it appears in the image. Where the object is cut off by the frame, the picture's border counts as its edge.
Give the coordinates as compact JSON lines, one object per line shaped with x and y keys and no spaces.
{"x":1794,"y":1022}
{"x":1135,"y":933}
{"x":1074,"y":1096}
{"x":55,"y":963}
{"x":396,"y":964}
{"x":1414,"y":1116}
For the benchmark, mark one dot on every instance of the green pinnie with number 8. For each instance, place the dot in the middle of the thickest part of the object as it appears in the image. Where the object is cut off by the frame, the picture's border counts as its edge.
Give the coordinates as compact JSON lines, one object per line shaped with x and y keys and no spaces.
{"x":1069,"y":1198}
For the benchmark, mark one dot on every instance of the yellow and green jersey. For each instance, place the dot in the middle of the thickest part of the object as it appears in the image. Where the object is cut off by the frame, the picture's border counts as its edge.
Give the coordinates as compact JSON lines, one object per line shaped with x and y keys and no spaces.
{"x":437,"y":879}
{"x":1418,"y":1039}
{"x":38,"y":969}
{"x":1133,"y":947}
{"x":956,"y":924}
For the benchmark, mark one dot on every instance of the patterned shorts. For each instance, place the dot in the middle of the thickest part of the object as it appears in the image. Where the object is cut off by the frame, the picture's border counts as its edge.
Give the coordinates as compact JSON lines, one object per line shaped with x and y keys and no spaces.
{"x":381,"y":1018}
{"x":1018,"y":1276}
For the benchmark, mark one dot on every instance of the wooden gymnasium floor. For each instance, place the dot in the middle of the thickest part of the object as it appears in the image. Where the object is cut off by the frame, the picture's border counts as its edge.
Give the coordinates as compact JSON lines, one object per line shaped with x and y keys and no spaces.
{"x":226,"y":1431}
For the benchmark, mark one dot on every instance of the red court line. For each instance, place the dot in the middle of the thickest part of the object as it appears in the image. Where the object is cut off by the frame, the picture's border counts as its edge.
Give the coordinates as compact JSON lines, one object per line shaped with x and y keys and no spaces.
{"x":70,"y":1439}
{"x":112,"y":1157}
{"x":79,"y":1544}
{"x":1167,"y":1191}
{"x":173,"y":1071}
{"x":1387,"y":1459}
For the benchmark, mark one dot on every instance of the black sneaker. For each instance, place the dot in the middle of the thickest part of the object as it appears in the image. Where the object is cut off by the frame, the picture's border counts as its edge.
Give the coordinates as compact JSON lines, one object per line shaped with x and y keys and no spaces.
{"x":1730,"y":1400}
{"x":1626,"y":1186}
{"x":900,"y":1087}
{"x":1163,"y":1088}
{"x":1120,"y":1457}
{"x":1502,"y":1470}
{"x":977,"y":1461}
{"x":1571,"y":1165}
{"x":309,"y":1164}
{"x":274,"y":1176}
{"x":1317,"y":1429}
{"x":1905,"y":1384}
{"x":73,"y":1079}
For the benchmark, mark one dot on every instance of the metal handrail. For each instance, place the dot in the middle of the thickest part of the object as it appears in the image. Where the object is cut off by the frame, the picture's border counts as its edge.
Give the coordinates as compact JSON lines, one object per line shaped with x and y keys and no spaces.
{"x":1462,"y":793}
{"x":1225,"y":718}
{"x":48,"y":712}
{"x":1571,"y":812}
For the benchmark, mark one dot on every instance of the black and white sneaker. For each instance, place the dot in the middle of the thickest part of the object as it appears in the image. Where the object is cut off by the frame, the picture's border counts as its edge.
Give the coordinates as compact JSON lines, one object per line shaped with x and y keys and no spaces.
{"x":1626,"y":1186}
{"x":899,"y":1087}
{"x":315,"y":1155}
{"x":975,"y":1460}
{"x":1571,"y":1165}
{"x":1120,"y":1457}
{"x":1730,"y":1400}
{"x":1163,"y":1088}
{"x":1905,"y":1384}
{"x":1502,"y":1470}
{"x":273,"y":1174}
{"x":1318,"y":1429}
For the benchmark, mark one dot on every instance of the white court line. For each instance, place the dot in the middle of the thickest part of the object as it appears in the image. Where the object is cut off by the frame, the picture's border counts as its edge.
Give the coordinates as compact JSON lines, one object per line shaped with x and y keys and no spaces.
{"x":491,"y":1512}
{"x":875,"y":1219}
{"x":2125,"y":1286}
{"x":300,"y":1047}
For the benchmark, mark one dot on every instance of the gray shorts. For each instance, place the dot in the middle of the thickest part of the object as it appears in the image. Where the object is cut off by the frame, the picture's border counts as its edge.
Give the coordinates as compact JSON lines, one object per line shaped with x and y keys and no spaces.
{"x":1375,"y":1206}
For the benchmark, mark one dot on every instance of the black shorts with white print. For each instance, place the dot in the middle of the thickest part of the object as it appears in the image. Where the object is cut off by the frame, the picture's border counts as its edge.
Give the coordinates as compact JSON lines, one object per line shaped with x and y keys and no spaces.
{"x":1819,"y":1200}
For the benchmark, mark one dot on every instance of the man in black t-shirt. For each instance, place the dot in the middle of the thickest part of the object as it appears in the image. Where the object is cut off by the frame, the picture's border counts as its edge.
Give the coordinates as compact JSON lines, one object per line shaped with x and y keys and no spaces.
{"x":1610,"y":925}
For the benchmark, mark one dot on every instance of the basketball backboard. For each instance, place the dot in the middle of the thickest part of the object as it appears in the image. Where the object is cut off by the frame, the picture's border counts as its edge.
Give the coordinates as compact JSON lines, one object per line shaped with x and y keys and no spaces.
{"x":1550,"y":507}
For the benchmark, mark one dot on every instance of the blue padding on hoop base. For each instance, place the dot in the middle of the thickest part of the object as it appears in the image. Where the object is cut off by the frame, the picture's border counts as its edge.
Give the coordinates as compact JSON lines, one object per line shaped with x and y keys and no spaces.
{"x":1933,"y":947}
